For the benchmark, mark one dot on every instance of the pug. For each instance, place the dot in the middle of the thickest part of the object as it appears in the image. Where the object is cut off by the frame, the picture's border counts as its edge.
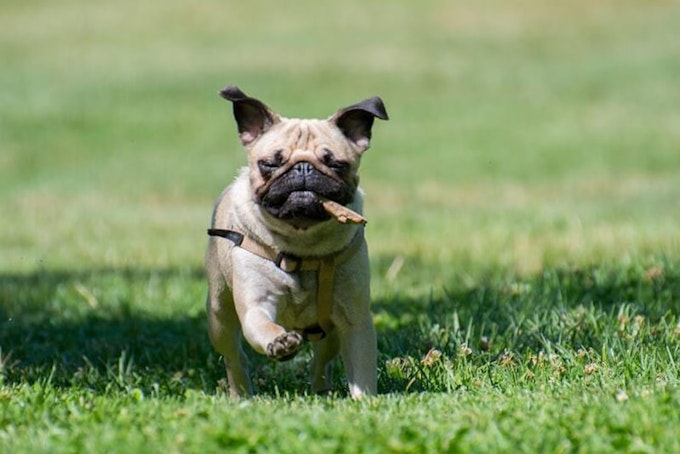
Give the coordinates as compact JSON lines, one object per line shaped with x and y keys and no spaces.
{"x":287,"y":260}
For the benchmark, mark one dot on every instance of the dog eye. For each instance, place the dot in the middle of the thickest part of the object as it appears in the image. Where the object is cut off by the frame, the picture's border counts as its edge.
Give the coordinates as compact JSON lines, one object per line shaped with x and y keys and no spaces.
{"x":339,"y":166}
{"x":335,"y":164}
{"x":267,"y":167}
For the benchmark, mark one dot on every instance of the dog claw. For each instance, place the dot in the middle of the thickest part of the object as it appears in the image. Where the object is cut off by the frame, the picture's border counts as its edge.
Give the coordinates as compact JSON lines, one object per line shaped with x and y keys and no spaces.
{"x":285,"y":346}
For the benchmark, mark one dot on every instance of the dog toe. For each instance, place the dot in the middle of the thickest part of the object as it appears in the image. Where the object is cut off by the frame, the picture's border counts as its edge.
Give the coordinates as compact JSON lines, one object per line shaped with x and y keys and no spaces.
{"x":285,"y":346}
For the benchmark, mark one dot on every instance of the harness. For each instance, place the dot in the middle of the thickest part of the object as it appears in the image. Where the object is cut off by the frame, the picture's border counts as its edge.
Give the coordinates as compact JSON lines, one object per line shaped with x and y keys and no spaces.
{"x":324,"y":266}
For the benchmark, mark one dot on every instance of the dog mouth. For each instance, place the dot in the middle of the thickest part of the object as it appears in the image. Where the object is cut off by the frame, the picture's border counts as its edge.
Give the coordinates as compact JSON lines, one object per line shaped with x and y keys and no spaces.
{"x":298,"y":200}
{"x":301,"y":208}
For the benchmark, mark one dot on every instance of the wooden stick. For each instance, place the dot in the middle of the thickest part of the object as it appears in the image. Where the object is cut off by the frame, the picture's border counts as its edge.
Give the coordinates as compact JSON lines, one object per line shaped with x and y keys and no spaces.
{"x":341,"y":213}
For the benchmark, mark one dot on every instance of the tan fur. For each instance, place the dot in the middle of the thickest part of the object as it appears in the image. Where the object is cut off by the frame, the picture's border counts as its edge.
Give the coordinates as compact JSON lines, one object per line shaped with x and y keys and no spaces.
{"x":251,"y":297}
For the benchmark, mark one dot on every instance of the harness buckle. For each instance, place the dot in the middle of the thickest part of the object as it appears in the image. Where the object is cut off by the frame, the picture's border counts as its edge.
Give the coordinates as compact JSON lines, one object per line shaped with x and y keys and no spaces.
{"x":313,"y":333}
{"x":288,"y":263}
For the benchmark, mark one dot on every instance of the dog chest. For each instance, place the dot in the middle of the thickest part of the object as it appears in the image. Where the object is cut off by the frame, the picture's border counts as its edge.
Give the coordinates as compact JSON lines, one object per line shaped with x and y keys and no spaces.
{"x":297,"y":307}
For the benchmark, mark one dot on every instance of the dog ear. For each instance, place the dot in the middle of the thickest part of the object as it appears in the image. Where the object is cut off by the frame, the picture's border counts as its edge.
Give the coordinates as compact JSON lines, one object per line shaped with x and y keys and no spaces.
{"x":252,"y":116}
{"x":356,"y":121}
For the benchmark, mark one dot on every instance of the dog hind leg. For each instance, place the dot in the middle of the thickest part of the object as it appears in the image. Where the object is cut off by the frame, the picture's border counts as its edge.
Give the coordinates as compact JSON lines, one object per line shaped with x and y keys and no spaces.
{"x":324,"y":352}
{"x":358,"y":347}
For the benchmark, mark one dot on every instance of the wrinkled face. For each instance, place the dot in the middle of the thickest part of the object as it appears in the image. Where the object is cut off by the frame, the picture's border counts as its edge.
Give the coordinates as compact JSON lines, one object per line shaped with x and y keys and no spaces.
{"x":296,"y":163}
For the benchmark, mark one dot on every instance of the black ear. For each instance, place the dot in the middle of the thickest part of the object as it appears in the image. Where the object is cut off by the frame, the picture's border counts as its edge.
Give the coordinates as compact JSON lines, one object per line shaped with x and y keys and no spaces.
{"x":252,"y":116}
{"x":356,"y":121}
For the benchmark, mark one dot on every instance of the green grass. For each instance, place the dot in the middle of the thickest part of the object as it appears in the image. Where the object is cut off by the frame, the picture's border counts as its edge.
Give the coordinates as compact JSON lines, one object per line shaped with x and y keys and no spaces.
{"x":115,"y":360}
{"x":522,"y":206}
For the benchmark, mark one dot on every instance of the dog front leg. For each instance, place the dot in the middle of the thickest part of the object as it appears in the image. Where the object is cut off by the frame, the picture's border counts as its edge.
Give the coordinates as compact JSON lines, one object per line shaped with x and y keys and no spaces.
{"x":257,"y":313}
{"x":359,"y":351}
{"x":269,"y":338}
{"x":225,"y":335}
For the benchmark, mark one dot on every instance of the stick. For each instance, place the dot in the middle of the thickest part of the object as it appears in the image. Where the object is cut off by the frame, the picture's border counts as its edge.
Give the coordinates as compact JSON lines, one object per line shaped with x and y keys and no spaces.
{"x":341,"y":213}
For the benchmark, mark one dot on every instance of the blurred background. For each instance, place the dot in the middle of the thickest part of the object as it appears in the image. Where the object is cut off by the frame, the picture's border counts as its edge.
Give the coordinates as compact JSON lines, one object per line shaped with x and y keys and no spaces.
{"x":521,"y":134}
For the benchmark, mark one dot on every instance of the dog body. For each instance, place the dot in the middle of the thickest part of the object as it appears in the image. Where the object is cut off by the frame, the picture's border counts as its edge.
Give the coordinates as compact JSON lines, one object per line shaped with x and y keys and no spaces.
{"x":276,"y":205}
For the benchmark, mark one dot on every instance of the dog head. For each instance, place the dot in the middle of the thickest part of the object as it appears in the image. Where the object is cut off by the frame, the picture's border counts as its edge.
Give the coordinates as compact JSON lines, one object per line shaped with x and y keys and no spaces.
{"x":295,"y":164}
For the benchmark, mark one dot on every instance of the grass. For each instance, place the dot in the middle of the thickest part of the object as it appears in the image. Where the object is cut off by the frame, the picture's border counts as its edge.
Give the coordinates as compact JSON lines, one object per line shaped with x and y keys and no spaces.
{"x":522,"y":206}
{"x":115,"y":360}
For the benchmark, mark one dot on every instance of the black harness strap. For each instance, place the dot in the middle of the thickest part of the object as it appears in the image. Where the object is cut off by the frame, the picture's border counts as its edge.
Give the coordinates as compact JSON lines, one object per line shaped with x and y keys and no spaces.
{"x":234,"y":237}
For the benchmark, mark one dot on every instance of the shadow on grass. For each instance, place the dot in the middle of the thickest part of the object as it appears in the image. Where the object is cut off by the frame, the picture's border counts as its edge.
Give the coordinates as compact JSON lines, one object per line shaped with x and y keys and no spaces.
{"x":99,"y":329}
{"x":114,"y":329}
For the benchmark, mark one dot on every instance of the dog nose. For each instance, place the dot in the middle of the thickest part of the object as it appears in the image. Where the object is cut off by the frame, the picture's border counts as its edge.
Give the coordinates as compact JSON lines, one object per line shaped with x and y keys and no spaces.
{"x":303,"y":168}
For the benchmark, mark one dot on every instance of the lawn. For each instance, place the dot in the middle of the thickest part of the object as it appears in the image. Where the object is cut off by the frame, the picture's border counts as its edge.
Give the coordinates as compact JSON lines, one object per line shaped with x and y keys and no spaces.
{"x":524,"y":223}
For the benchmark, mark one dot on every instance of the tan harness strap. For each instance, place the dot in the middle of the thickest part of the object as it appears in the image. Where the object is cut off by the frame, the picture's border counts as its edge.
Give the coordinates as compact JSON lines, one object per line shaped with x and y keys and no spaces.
{"x":324,"y":293}
{"x":256,"y":248}
{"x":325,"y":266}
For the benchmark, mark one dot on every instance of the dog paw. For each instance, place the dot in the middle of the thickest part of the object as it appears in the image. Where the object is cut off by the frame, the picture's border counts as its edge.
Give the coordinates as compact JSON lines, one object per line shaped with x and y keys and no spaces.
{"x":285,"y":346}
